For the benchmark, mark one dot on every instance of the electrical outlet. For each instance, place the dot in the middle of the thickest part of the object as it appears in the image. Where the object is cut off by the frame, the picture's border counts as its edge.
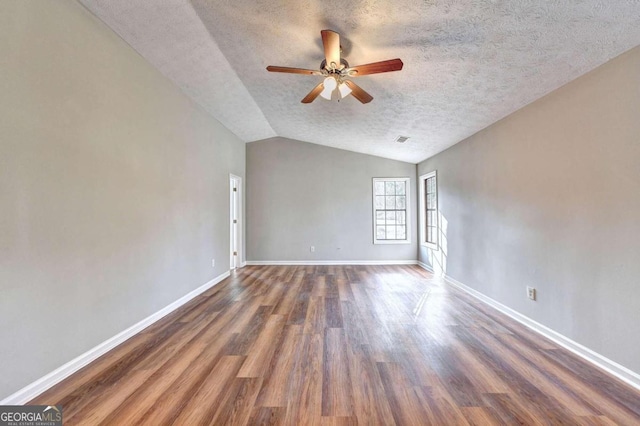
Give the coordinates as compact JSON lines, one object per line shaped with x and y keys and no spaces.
{"x":313,"y":248}
{"x":531,"y":293}
{"x":213,"y":263}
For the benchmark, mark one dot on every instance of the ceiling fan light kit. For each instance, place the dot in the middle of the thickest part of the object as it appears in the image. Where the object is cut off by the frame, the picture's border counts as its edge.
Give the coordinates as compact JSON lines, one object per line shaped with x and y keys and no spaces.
{"x":328,"y":86}
{"x":336,"y":70}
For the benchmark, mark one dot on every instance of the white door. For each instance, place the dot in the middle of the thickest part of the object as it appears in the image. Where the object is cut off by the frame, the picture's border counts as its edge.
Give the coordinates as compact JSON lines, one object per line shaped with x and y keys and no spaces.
{"x":234,"y":214}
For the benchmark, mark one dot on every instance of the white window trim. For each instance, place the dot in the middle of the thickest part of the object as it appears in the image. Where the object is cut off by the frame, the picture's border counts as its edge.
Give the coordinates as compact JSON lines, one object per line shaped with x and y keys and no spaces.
{"x":407,"y":208}
{"x":422,"y":206}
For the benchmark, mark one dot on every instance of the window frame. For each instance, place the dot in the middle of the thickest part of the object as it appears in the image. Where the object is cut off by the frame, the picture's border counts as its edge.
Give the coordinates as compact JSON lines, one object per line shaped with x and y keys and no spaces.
{"x":407,"y":209}
{"x":423,"y":212}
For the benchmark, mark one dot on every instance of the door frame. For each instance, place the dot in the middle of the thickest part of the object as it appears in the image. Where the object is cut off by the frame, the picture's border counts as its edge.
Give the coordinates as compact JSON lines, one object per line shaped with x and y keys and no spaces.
{"x":238,"y":184}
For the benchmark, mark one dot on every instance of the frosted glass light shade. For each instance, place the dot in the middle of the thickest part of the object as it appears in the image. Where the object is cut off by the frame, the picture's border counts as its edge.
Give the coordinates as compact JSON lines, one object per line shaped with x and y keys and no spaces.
{"x":330,"y":85}
{"x":344,"y":90}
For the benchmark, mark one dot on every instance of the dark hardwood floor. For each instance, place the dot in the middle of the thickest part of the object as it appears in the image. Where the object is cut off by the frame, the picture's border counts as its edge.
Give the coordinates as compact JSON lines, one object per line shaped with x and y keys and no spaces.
{"x":370,"y":345}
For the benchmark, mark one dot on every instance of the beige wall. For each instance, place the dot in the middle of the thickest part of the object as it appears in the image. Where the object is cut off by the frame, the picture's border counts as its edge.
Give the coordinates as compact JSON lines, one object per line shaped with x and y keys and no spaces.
{"x":113,"y":188}
{"x":550,"y":197}
{"x":301,"y":194}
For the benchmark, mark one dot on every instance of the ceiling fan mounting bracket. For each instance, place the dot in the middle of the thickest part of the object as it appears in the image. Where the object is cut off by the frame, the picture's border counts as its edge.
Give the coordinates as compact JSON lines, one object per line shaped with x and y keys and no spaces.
{"x":333,"y":69}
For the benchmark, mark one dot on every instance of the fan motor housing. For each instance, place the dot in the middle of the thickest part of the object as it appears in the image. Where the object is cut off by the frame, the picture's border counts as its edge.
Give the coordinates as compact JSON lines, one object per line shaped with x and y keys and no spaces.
{"x":323,"y":66}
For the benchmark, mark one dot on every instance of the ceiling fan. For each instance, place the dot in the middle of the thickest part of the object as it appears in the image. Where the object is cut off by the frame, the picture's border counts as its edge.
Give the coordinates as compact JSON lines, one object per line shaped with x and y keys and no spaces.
{"x":336,"y":70}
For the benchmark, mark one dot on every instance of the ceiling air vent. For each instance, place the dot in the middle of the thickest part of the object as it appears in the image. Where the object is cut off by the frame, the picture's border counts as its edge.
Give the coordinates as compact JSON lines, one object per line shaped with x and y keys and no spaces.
{"x":402,"y":139}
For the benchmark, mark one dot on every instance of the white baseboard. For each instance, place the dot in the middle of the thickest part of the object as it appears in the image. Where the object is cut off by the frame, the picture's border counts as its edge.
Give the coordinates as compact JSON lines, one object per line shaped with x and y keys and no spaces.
{"x":623,"y":373}
{"x":34,"y":389}
{"x":332,"y":262}
{"x":425,"y":266}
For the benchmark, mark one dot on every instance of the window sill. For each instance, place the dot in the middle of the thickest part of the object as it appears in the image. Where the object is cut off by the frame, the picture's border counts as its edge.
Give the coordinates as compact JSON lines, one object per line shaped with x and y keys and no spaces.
{"x":391,"y":242}
{"x":431,"y":246}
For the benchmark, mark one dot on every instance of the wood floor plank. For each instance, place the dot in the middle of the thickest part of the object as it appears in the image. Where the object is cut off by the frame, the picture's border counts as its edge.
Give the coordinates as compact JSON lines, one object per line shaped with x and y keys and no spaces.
{"x":171,"y":401}
{"x":250,"y":308}
{"x":111,"y":397}
{"x":332,"y":312}
{"x":595,"y":377}
{"x":204,"y":403}
{"x":439,"y":406}
{"x":355,"y":329}
{"x":340,"y":345}
{"x":509,"y":411}
{"x":246,"y":337}
{"x":288,"y":300}
{"x":276,"y":387}
{"x":144,"y":398}
{"x":238,"y":402}
{"x":260,"y":354}
{"x":314,"y":321}
{"x":481,"y":416}
{"x":380,"y":335}
{"x":319,"y":286}
{"x":344,"y":289}
{"x":495,"y":357}
{"x":370,"y":401}
{"x":405,"y":404}
{"x":535,"y":374}
{"x":337,"y":399}
{"x":339,"y":421}
{"x":305,"y":401}
{"x":267,"y":416}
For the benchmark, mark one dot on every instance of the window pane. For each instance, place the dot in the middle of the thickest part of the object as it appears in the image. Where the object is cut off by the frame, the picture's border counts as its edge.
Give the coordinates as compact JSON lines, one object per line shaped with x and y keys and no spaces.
{"x":431,"y":187}
{"x":432,"y":234}
{"x":400,"y":218}
{"x":379,"y":202}
{"x":391,"y":232}
{"x":389,"y":188}
{"x":401,"y":233}
{"x":380,"y":234}
{"x":400,"y":203}
{"x":379,"y":218}
{"x":434,"y":218}
{"x":390,"y":202}
{"x":391,"y":218}
{"x":379,"y":188}
{"x":430,"y":202}
{"x":400,"y":188}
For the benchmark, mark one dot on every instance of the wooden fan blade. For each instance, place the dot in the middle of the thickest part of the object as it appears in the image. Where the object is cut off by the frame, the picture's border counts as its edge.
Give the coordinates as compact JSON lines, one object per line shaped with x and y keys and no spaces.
{"x":313,"y":94}
{"x":272,"y":68}
{"x":331,"y":43}
{"x":358,"y":93}
{"x":375,"y":68}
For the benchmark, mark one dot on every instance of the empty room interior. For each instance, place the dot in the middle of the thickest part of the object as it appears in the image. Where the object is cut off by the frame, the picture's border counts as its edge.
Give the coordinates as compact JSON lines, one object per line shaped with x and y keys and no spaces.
{"x":412,"y":212}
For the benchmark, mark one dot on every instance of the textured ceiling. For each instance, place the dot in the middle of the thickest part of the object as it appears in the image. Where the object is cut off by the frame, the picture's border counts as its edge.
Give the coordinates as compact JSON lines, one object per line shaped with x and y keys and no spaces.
{"x":467,"y":63}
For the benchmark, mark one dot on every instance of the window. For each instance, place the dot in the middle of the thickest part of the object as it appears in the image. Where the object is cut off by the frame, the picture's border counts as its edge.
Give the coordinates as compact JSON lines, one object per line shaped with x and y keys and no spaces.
{"x":391,"y":210}
{"x":429,"y":210}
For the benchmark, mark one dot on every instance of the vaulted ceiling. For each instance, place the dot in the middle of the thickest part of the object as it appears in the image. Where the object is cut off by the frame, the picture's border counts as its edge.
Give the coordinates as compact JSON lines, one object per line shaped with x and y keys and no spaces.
{"x":467,"y":63}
